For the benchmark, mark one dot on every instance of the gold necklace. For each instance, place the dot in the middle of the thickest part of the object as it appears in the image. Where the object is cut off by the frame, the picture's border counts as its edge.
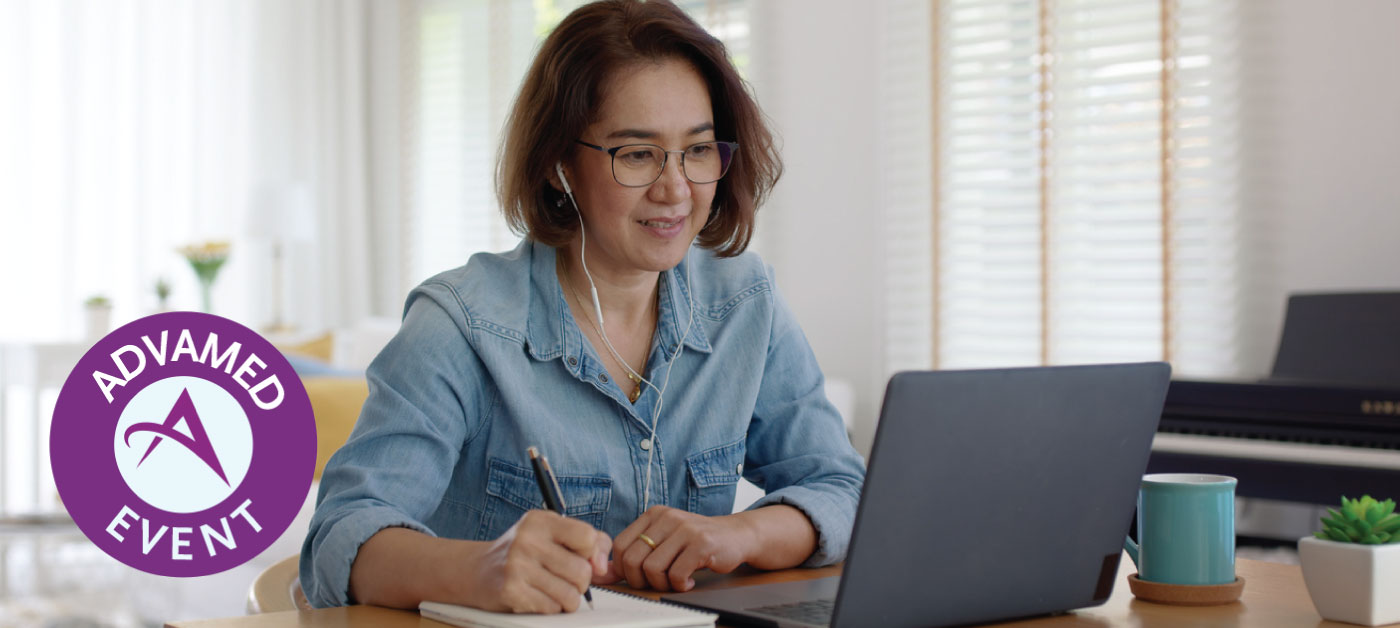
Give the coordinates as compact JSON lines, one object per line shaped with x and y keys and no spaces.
{"x":631,"y":374}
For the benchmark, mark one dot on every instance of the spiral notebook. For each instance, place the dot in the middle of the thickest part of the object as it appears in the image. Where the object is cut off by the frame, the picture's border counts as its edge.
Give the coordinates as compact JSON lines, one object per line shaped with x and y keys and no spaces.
{"x":610,"y":609}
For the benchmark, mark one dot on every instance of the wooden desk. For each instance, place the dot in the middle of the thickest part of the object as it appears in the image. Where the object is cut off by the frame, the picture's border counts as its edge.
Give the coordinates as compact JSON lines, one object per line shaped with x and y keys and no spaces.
{"x":1274,"y":597}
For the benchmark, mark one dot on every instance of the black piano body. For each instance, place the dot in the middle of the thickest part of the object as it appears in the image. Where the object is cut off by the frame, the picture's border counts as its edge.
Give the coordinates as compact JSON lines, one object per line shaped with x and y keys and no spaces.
{"x":1326,"y":422}
{"x":1298,"y":442}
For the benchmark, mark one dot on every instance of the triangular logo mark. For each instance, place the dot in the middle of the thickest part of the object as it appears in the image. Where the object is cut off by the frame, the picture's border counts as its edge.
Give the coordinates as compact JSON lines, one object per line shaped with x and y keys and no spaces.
{"x":198,"y":443}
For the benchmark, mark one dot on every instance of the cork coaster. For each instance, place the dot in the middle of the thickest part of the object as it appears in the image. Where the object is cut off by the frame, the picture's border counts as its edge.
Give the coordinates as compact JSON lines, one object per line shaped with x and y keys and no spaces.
{"x":1186,"y":594}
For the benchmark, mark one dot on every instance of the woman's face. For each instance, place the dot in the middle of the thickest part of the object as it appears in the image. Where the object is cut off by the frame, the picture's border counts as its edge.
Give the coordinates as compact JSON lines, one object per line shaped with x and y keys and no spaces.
{"x":644,"y":228}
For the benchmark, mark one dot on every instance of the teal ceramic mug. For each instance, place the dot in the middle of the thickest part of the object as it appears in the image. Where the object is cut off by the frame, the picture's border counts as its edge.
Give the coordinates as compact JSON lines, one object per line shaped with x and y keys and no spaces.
{"x":1186,"y":529}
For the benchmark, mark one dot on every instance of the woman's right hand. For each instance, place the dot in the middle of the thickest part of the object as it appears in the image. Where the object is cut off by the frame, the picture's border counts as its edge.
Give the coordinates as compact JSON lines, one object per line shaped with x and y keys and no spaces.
{"x":542,"y":564}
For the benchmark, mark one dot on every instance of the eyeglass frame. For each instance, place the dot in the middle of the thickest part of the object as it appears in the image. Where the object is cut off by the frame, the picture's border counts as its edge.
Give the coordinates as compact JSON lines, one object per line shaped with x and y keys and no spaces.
{"x":665,"y":158}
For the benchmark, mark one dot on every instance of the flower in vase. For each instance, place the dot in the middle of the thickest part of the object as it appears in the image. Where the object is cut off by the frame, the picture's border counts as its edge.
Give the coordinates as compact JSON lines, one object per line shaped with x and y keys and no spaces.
{"x":206,"y":259}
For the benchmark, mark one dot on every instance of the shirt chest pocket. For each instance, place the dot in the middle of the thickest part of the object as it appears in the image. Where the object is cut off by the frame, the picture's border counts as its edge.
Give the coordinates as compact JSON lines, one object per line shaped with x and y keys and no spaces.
{"x":714,"y":476}
{"x":512,"y":490}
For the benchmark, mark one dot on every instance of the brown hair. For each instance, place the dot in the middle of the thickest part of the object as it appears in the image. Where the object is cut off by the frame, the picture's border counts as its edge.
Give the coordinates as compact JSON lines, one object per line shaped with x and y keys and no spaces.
{"x":563,"y":91}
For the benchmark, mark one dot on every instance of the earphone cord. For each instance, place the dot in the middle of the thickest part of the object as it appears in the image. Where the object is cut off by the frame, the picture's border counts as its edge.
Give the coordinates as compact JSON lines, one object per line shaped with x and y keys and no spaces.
{"x":598,"y":311}
{"x":661,"y":395}
{"x":598,"y":307}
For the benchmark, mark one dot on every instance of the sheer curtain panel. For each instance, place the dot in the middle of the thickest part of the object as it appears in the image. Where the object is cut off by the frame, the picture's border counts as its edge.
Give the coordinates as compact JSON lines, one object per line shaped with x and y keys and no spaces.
{"x":124,"y":133}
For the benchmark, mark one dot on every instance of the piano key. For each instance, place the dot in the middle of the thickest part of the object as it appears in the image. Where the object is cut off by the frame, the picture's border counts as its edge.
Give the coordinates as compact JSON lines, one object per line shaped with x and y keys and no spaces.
{"x":1305,"y":453}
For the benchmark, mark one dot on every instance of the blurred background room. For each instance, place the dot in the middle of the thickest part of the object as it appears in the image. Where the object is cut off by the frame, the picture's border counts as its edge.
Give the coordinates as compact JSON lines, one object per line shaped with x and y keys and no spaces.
{"x":968,"y":183}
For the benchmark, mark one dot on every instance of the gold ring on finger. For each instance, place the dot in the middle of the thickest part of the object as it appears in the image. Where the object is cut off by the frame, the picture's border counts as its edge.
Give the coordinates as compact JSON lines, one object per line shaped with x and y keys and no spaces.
{"x":646,"y":539}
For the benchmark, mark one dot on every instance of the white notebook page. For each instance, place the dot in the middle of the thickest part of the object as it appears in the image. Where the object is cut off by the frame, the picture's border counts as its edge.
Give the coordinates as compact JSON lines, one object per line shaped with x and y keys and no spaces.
{"x":611,"y":609}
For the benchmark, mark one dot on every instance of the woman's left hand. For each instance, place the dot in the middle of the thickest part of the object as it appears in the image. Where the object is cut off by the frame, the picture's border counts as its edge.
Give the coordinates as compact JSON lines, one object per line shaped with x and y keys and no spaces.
{"x":685,"y":542}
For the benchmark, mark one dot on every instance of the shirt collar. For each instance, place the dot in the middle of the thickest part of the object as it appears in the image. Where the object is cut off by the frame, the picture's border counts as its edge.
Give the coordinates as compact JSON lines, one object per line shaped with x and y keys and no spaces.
{"x":548,"y":336}
{"x":675,"y":312}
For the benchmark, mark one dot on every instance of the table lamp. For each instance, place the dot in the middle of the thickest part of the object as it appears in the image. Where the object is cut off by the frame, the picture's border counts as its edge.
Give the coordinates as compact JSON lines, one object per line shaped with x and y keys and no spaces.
{"x":282,"y":213}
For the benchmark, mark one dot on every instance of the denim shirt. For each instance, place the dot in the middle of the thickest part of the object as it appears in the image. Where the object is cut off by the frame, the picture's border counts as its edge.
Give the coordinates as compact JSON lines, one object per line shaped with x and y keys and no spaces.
{"x":489,"y":361}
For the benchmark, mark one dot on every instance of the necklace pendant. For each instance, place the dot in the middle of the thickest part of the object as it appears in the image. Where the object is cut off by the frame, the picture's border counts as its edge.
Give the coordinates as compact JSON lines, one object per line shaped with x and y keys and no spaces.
{"x":635,"y":394}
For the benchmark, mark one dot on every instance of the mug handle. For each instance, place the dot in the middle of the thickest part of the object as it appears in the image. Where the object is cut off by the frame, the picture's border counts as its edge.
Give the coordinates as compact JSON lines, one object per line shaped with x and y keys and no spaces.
{"x":1132,"y":548}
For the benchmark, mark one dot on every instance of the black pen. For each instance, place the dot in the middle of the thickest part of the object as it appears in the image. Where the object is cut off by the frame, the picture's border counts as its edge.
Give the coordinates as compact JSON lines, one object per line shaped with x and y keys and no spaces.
{"x":553,"y":497}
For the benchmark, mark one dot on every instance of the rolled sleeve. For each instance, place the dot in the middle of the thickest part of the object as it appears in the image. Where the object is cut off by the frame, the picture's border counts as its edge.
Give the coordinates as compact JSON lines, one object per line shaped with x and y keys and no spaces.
{"x":326,"y":580}
{"x":798,"y":450}
{"x":396,"y":465}
{"x":830,"y":516}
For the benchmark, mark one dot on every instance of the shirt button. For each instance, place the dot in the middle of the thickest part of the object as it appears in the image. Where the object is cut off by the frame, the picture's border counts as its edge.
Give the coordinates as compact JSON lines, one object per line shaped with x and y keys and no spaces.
{"x":573,"y":361}
{"x":739,"y":469}
{"x":603,"y":377}
{"x":645,"y":444}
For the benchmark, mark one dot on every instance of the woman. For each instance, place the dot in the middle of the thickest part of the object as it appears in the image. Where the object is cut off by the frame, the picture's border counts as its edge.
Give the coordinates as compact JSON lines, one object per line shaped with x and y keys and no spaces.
{"x":633,"y":137}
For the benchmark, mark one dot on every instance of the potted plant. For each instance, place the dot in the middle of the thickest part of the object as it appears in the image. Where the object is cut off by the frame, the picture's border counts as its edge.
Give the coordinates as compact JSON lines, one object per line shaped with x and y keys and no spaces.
{"x":99,"y":316}
{"x":163,"y":294}
{"x":1352,"y":566}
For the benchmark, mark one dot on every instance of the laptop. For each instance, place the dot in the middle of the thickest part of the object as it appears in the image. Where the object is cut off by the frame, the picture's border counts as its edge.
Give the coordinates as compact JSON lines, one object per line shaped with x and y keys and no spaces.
{"x":990,"y":495}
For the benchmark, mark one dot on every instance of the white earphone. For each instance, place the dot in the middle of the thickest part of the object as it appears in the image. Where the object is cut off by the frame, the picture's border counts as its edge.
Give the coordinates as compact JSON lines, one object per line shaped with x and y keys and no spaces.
{"x":597,"y":305}
{"x":598,"y":311}
{"x":563,"y":180}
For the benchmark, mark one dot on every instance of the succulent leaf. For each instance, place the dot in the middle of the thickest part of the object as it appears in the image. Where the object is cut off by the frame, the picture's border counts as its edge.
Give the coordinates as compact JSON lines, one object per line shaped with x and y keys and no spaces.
{"x":1365,"y":520}
{"x":1349,"y":509}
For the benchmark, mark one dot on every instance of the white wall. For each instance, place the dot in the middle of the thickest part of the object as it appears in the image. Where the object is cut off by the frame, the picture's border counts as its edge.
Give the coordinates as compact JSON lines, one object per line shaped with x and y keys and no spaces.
{"x":1329,"y":123}
{"x":1322,"y":180}
{"x":820,"y":230}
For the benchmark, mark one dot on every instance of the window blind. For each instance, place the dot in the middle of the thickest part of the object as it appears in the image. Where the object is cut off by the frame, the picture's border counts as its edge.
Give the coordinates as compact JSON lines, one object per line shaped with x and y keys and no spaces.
{"x":1212,"y":294}
{"x":1106,"y":261}
{"x":1084,"y":203}
{"x":989,"y":224}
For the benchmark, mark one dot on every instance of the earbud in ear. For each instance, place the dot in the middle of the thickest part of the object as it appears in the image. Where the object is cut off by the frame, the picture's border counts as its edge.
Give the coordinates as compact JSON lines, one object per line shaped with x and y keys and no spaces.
{"x":563,"y":180}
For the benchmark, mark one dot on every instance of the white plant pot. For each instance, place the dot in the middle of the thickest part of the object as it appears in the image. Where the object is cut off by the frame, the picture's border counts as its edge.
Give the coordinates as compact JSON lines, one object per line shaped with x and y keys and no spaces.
{"x":98,"y":321}
{"x":1357,"y":584}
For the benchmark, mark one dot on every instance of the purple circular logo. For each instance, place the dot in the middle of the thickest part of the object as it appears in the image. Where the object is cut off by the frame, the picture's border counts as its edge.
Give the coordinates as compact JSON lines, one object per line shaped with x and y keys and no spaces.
{"x":183,"y":444}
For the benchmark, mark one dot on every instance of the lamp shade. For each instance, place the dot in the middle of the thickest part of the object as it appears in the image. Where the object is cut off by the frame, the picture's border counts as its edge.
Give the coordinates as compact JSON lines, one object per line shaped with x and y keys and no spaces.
{"x":282,"y":212}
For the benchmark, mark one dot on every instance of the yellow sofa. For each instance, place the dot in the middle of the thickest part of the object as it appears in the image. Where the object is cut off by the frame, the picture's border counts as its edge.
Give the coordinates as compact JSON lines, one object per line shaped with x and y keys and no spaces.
{"x":336,"y":402}
{"x":335,"y":399}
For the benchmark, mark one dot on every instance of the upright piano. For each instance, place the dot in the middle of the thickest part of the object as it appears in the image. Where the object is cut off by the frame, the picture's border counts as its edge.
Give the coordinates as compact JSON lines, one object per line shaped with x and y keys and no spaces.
{"x":1325,"y":423}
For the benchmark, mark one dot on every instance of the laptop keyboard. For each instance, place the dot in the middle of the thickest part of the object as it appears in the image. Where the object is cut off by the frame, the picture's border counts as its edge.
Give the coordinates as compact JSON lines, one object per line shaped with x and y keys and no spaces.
{"x":808,"y":611}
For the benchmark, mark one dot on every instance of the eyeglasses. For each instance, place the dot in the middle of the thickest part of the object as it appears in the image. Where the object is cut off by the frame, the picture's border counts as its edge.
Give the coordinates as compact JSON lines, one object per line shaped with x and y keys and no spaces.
{"x":640,"y":165}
